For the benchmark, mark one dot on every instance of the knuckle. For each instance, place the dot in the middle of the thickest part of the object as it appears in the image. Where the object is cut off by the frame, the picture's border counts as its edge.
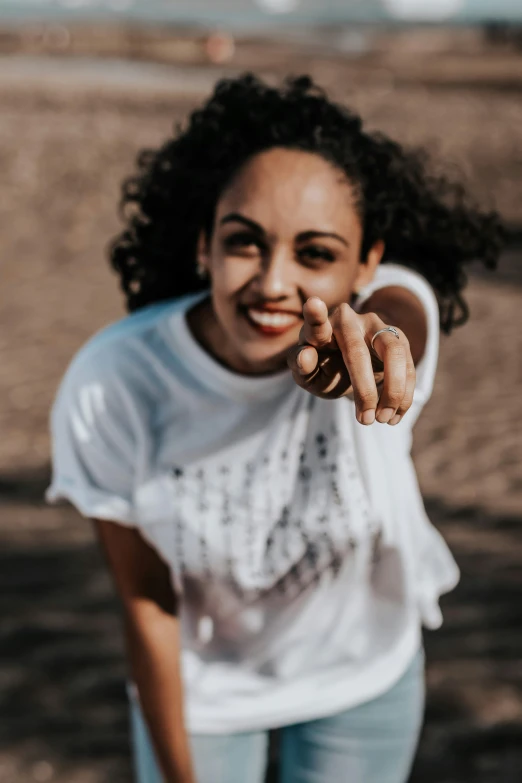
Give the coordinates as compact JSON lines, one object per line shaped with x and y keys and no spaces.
{"x":396,"y":352}
{"x":374,"y":322}
{"x":322,"y":332}
{"x":341,"y":315}
{"x":408,"y":396}
{"x":366,"y":394}
{"x":395,"y":396}
{"x":356,"y":348}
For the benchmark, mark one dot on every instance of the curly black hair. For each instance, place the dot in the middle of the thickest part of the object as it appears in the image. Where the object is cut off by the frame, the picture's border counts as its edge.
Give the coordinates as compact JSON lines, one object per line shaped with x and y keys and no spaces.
{"x":424,"y":220}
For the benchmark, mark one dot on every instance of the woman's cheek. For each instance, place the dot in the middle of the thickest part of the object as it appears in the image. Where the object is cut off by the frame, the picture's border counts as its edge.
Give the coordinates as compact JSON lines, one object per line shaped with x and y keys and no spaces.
{"x":332,"y":291}
{"x":232,"y":274}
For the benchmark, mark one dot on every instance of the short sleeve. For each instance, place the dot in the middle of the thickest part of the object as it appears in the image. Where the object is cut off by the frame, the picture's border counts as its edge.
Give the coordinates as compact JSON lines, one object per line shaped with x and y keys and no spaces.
{"x":396,"y":275}
{"x":95,"y":443}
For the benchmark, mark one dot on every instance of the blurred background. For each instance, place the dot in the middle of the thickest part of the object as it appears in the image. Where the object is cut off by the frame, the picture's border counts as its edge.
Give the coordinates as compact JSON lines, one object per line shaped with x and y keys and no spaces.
{"x":85,"y":84}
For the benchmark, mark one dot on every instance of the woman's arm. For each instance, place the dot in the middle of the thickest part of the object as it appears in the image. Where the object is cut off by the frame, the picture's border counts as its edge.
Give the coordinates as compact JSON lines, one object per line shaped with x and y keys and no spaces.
{"x":152,"y":634}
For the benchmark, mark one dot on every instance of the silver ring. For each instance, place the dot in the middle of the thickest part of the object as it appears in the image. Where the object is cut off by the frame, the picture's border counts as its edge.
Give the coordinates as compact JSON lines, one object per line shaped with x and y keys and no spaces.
{"x":391,"y":329}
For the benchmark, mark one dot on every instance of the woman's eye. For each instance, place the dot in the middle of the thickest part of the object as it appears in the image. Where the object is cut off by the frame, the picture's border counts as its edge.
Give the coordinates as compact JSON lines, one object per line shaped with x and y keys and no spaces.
{"x":316,"y":253}
{"x":243,"y":241}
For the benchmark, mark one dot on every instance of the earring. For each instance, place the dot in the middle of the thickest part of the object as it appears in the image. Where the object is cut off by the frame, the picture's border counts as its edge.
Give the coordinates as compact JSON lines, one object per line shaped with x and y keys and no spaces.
{"x":201,"y":271}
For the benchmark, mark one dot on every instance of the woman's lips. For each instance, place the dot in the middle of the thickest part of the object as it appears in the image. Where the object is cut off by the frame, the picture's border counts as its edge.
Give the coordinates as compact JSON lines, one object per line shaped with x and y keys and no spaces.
{"x":271,"y":323}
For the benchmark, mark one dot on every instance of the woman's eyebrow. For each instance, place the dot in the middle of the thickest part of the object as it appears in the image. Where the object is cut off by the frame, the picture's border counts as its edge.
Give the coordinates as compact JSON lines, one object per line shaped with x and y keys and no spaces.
{"x":304,"y":236}
{"x":236,"y":217}
{"x":307,"y":235}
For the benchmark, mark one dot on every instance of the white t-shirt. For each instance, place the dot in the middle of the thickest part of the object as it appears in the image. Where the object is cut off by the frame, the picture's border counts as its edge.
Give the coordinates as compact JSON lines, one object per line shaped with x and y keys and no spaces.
{"x":296,"y":537}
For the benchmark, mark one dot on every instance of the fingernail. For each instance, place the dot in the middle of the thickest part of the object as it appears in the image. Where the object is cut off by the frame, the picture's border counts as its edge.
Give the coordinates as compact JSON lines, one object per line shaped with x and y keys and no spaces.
{"x":385,"y":415}
{"x":299,"y":360}
{"x":395,"y":420}
{"x":367,"y":417}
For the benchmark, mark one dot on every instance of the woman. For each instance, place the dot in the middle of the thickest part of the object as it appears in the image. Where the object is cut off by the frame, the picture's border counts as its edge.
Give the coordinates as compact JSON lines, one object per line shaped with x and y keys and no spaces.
{"x":270,"y":547}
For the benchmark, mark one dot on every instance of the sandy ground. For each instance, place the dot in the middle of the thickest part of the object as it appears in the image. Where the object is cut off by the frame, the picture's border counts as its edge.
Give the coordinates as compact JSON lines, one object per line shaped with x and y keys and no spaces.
{"x":65,"y":144}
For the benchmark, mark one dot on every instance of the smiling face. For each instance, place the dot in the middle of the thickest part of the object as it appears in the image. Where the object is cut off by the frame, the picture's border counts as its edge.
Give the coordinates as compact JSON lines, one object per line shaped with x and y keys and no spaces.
{"x":286,"y":228}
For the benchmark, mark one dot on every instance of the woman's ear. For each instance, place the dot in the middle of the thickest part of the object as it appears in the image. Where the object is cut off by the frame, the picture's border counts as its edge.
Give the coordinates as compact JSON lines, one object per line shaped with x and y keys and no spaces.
{"x":367,"y":268}
{"x":202,"y":256}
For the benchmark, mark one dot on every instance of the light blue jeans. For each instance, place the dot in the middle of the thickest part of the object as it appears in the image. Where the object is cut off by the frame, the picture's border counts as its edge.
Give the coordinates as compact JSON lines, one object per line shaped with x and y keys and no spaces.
{"x":372,"y":743}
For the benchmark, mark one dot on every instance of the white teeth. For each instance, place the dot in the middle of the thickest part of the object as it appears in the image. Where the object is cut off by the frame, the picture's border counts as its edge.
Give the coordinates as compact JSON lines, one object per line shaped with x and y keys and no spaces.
{"x":276,"y":320}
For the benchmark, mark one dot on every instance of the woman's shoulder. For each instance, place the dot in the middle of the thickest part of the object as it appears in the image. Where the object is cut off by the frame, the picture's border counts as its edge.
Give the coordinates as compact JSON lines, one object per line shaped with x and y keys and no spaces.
{"x":124,"y":348}
{"x":395,"y":274}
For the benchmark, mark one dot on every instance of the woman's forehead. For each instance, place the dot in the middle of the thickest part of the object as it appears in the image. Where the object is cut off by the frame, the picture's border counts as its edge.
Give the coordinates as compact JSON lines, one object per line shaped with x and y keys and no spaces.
{"x":289,"y":186}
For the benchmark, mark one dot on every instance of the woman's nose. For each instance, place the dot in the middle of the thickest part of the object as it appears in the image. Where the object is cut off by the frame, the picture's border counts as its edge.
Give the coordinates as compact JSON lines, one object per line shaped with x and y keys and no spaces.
{"x":275,"y":273}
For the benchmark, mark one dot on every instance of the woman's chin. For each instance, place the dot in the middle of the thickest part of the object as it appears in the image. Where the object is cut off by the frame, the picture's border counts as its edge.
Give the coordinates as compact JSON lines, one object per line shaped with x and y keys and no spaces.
{"x":251,"y":350}
{"x":262,"y":359}
{"x":265,"y":354}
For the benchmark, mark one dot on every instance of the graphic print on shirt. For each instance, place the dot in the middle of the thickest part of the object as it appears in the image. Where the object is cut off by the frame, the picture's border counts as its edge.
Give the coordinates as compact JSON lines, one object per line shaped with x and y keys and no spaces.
{"x":274,"y":525}
{"x":203,"y":508}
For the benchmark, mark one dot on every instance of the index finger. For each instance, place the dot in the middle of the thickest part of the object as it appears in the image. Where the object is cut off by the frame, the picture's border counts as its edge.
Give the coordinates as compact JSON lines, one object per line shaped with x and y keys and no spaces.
{"x":317,"y":329}
{"x":357,"y":359}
